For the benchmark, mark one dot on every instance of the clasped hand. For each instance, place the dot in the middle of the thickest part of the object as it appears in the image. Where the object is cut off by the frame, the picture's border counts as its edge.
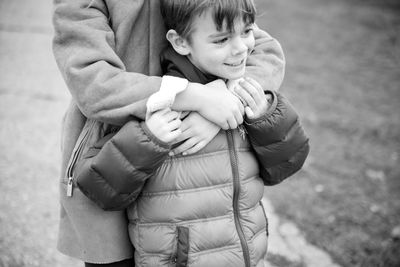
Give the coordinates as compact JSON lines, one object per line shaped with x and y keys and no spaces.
{"x":223,"y":110}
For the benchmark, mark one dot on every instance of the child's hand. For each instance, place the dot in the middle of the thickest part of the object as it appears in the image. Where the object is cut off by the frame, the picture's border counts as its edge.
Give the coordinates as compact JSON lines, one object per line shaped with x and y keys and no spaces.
{"x":197,"y":133}
{"x":252,"y":93}
{"x":164,"y":124}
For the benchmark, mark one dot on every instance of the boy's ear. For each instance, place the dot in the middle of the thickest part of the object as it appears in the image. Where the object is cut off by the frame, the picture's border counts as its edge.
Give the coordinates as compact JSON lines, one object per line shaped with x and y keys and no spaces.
{"x":179,"y":44}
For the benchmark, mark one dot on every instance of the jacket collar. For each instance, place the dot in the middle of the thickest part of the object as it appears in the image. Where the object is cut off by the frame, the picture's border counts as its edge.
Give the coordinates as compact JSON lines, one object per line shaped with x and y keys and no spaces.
{"x":177,"y":65}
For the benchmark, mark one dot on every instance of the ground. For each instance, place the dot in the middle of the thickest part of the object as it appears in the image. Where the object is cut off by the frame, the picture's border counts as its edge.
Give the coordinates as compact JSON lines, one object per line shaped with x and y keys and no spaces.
{"x":342,"y":75}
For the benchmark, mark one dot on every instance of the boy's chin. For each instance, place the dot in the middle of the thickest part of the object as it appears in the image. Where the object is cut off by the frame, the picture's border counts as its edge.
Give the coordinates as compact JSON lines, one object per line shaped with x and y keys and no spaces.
{"x":235,"y":76}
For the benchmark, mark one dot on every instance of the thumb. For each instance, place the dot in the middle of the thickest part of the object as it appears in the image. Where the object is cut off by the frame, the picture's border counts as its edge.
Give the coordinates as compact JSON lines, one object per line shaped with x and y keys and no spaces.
{"x":249,"y":112}
{"x":148,"y":114}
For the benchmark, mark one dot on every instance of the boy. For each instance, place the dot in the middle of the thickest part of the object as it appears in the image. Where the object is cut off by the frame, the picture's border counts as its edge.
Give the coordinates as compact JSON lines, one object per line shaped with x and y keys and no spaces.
{"x":202,"y":209}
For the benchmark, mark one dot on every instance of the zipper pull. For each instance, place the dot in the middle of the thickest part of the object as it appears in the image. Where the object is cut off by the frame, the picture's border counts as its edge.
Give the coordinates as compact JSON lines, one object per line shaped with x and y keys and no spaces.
{"x":70,"y":186}
{"x":242,"y":131}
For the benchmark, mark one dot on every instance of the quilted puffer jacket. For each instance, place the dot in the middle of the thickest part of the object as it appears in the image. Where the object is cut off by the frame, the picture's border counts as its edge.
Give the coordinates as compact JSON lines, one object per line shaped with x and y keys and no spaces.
{"x":203,"y":209}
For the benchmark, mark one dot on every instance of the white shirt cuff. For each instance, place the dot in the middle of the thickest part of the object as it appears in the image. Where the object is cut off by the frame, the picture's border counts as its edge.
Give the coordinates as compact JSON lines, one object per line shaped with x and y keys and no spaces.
{"x":165,"y":97}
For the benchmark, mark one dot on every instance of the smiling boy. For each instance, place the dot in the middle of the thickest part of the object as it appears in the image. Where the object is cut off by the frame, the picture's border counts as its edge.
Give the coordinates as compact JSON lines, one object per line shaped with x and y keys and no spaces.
{"x":216,"y":48}
{"x":203,"y":209}
{"x":222,"y":53}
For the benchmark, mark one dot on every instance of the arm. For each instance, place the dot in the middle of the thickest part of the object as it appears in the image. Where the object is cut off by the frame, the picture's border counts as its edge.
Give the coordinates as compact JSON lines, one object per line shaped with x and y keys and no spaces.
{"x":278,"y":140}
{"x":274,"y":130}
{"x":85,"y":50}
{"x":114,"y":171}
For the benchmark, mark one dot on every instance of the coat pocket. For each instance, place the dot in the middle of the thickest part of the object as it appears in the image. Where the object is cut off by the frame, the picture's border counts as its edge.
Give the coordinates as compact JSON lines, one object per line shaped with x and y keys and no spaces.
{"x":182,"y":250}
{"x":92,"y":132}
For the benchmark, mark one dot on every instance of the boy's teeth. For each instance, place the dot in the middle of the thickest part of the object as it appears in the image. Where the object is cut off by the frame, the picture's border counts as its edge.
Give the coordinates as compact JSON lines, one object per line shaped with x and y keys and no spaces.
{"x":235,"y":64}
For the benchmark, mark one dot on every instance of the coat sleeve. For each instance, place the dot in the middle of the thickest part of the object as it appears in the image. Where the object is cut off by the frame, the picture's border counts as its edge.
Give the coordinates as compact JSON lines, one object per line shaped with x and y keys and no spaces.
{"x":84,"y":46}
{"x":113,"y":171}
{"x":279,"y":141}
{"x":266,"y":64}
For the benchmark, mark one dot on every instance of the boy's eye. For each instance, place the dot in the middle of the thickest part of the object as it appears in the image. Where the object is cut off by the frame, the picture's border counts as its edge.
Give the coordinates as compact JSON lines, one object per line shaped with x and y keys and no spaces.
{"x":247,"y":31}
{"x":221,"y":41}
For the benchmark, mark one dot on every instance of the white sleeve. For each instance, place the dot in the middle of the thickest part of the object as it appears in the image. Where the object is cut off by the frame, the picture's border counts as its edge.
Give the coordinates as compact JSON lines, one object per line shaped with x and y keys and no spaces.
{"x":165,"y":97}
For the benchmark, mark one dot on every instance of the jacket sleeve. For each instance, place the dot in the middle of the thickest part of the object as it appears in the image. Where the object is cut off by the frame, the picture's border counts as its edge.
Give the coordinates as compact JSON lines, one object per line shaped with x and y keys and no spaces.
{"x":266,"y":64}
{"x":113,"y":172}
{"x":84,"y":47}
{"x":279,"y":141}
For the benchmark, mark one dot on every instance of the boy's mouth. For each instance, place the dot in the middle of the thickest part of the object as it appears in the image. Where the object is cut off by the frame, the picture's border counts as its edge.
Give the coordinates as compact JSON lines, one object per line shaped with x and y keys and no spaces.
{"x":235,"y":64}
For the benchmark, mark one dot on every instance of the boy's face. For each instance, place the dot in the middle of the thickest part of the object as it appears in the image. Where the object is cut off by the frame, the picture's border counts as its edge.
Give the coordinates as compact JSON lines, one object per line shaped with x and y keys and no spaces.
{"x":220,"y":53}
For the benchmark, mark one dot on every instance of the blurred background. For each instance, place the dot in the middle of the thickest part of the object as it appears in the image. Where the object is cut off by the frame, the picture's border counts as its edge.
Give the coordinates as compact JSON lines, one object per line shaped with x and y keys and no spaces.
{"x":342,"y":75}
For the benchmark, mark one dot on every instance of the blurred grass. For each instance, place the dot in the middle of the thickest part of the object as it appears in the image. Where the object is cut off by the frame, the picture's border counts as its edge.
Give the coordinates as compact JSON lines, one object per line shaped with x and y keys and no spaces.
{"x":343,"y":76}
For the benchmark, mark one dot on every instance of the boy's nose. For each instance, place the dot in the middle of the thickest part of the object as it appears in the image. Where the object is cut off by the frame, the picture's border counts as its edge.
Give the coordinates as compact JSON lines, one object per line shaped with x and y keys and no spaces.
{"x":239,"y":47}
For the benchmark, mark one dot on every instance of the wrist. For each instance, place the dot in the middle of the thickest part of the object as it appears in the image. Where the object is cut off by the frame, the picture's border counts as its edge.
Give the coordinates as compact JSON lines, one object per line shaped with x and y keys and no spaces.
{"x":153,"y":138}
{"x":190,"y":99}
{"x":165,"y":97}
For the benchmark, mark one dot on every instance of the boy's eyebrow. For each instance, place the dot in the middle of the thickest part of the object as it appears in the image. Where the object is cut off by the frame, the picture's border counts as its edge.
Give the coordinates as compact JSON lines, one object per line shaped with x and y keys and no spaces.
{"x":226,"y":32}
{"x":218,"y":34}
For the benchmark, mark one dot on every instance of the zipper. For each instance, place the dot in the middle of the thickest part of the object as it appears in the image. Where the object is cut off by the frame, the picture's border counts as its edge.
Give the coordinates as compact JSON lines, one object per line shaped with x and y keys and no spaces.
{"x":74,"y":159}
{"x":236,"y":191}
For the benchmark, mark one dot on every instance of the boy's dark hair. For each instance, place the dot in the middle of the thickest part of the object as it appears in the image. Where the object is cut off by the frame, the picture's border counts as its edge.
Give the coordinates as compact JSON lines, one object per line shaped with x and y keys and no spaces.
{"x":179,"y":14}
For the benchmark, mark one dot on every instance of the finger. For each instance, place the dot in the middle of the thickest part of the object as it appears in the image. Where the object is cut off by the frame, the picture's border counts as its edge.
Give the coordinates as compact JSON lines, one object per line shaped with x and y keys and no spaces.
{"x":160,"y":112}
{"x":249,"y":112}
{"x":185,"y":135}
{"x":232,"y":122}
{"x":197,"y":147}
{"x":253,"y":105}
{"x":172,"y":135}
{"x":171,"y":115}
{"x":239,"y":118}
{"x":148,"y":113}
{"x":175,"y":124}
{"x":185,"y":125}
{"x":224,"y":125}
{"x":245,"y":95}
{"x":255,"y":84}
{"x":253,"y":91}
{"x":241,"y":107}
{"x":184,"y":146}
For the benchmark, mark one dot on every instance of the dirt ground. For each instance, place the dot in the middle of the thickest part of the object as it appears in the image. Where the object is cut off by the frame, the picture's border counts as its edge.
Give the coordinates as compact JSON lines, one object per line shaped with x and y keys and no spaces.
{"x":343,"y":76}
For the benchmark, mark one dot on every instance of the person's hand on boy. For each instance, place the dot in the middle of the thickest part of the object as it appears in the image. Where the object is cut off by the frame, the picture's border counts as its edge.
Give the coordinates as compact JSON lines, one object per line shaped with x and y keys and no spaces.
{"x":164,"y":124}
{"x":217,"y":105}
{"x":251,"y":92}
{"x":197,"y":132}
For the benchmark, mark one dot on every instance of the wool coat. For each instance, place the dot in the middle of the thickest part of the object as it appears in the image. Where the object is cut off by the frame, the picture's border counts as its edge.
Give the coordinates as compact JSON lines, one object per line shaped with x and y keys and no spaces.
{"x":108,"y":54}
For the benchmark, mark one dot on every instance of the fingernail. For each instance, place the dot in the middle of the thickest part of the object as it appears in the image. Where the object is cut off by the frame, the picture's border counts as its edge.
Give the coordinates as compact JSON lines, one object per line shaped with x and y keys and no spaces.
{"x":184,"y":153}
{"x":171,"y":154}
